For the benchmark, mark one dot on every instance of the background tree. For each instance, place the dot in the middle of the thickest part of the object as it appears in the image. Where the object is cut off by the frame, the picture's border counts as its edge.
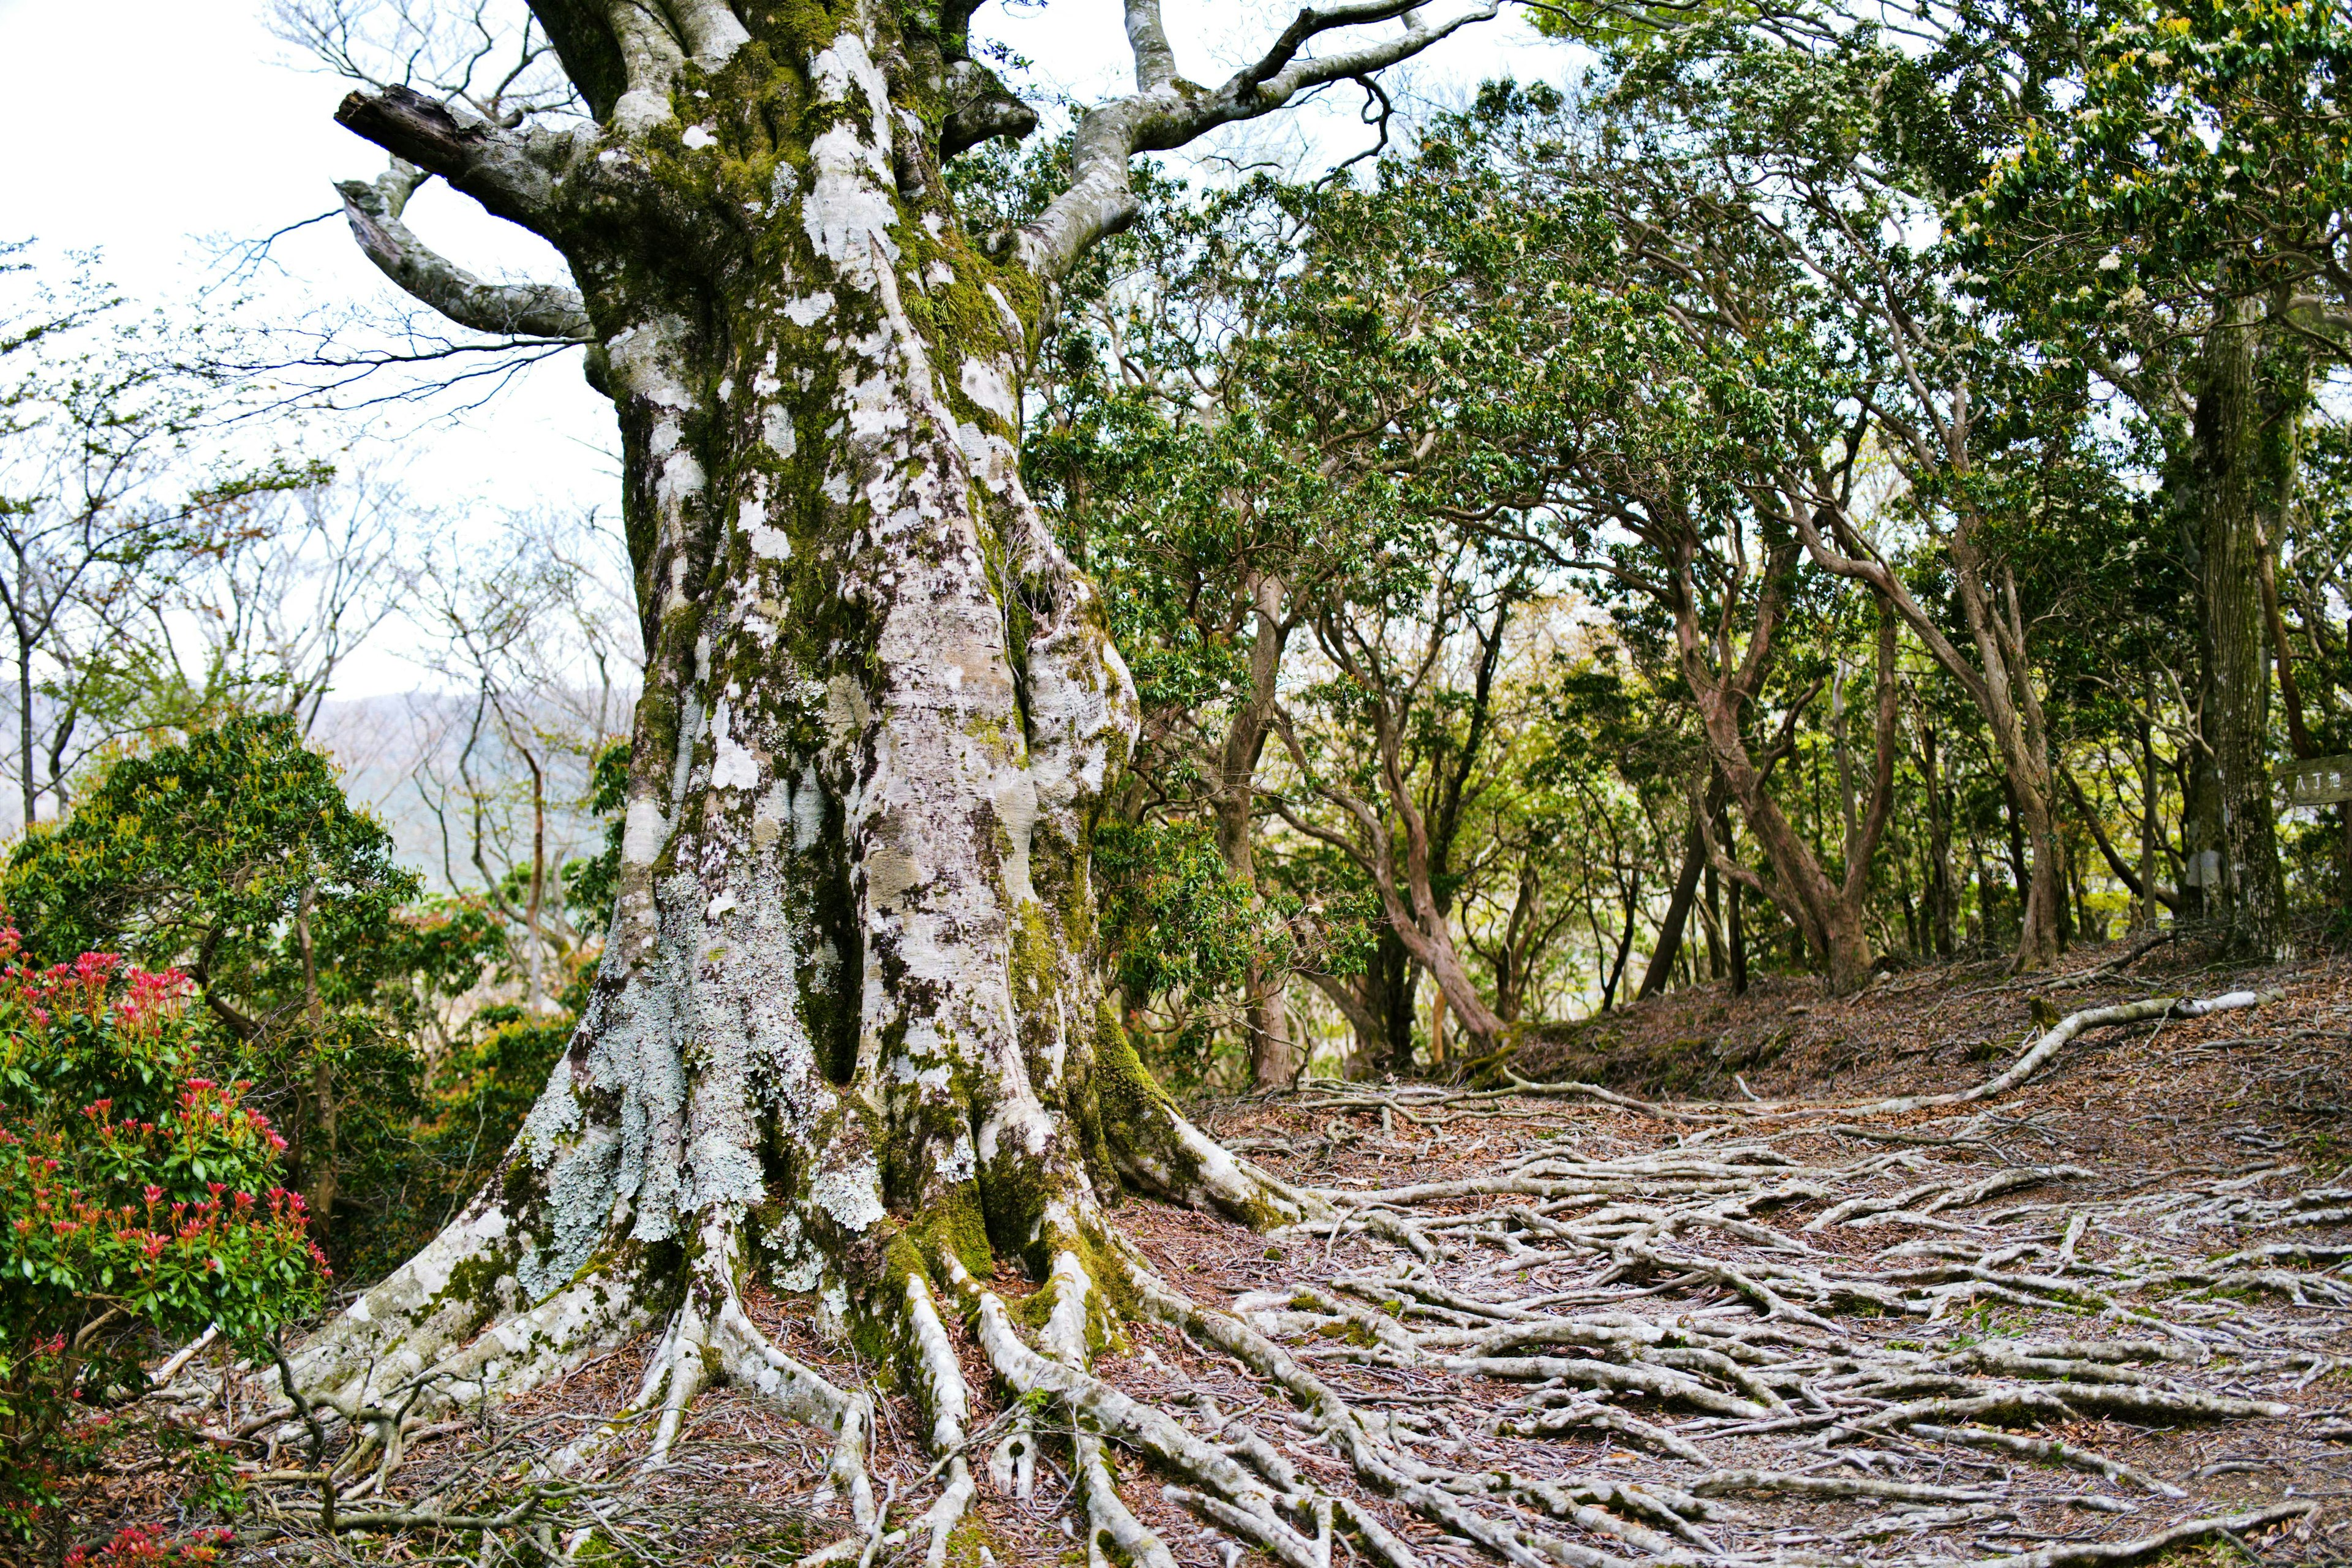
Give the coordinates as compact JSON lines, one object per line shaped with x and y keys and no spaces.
{"x":101,"y":515}
{"x":235,"y":858}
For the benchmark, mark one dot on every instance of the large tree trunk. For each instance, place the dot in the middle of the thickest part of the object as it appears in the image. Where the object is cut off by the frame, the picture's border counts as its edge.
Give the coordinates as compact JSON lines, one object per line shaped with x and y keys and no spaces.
{"x":847,"y":1029}
{"x":2244,"y":886}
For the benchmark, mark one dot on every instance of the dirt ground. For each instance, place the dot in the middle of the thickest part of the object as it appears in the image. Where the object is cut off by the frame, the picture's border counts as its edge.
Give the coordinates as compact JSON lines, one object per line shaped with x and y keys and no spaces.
{"x":2170,"y":1195}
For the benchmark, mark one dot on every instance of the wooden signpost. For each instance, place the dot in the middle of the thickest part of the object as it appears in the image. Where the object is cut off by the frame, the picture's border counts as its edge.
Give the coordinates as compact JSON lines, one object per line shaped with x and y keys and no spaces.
{"x":2323,"y":780}
{"x":2319,"y":781}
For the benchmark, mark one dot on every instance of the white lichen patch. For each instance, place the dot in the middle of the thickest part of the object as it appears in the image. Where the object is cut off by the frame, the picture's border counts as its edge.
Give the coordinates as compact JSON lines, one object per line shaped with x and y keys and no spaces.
{"x":733,"y":765}
{"x":809,"y":312}
{"x":852,"y":1196}
{"x":797,"y":1265}
{"x":776,"y":430}
{"x":578,"y":1184}
{"x":845,"y":64}
{"x":808,"y":811}
{"x":1017,"y":809}
{"x":849,"y":210}
{"x":962,"y":1162}
{"x":644,"y":831}
{"x":990,"y":386}
{"x":698,"y":137}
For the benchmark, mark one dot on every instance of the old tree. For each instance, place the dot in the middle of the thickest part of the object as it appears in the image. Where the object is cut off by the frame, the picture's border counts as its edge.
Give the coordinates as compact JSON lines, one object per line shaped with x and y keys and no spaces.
{"x":848,"y":1032}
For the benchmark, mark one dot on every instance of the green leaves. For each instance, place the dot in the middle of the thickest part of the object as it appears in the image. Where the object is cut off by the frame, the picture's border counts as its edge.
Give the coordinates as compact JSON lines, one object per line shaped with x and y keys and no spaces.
{"x":2202,"y":151}
{"x":203,"y":854}
{"x":139,"y":1194}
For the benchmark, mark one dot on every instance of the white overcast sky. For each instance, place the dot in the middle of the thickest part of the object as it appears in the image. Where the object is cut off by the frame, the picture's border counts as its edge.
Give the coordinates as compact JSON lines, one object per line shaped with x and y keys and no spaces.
{"x":152,"y":130}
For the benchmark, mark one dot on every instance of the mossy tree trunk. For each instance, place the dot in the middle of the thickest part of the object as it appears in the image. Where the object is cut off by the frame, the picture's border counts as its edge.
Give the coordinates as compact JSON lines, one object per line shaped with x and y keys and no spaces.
{"x":2244,"y":883}
{"x":847,"y":1031}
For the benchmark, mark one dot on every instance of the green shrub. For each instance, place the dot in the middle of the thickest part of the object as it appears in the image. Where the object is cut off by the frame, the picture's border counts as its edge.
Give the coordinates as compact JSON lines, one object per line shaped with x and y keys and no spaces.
{"x":138,"y":1203}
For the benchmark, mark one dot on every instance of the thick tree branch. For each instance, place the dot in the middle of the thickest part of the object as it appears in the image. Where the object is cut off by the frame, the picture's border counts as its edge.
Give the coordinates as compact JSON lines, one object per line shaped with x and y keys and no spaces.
{"x":1155,"y":62}
{"x":1169,"y":112}
{"x":983,"y":110}
{"x":509,"y":310}
{"x":651,"y":58}
{"x":712,"y":31}
{"x":513,"y":173}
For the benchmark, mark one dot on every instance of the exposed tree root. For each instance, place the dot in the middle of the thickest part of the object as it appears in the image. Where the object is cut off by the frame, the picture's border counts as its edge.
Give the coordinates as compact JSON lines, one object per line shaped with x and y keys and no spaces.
{"x":1780,"y":1332}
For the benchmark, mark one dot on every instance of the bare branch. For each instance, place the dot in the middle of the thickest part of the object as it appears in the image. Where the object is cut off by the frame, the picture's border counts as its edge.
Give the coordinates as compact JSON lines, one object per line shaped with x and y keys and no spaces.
{"x":1165,"y":113}
{"x":509,"y":310}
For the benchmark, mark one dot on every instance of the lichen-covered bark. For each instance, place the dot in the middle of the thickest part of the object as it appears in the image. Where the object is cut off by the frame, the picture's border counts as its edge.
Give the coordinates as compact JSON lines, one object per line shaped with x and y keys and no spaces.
{"x":847,"y":1023}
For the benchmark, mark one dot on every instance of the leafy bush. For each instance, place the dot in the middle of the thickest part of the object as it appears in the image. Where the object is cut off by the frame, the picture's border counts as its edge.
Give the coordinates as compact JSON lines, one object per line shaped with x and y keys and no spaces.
{"x":236,"y":857}
{"x":138,"y":1202}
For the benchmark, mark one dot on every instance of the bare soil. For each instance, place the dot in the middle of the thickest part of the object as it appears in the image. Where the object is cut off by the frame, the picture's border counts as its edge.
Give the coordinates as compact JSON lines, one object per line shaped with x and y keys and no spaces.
{"x":2188,"y":1141}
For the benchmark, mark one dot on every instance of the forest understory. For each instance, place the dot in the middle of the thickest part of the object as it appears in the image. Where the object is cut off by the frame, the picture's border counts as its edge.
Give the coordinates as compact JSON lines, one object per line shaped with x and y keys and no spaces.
{"x":2097,"y":1317}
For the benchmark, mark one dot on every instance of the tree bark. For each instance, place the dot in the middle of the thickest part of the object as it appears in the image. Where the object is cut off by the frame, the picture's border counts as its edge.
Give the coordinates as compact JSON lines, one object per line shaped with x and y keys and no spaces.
{"x":847,"y":1028}
{"x":1678,"y":905}
{"x":1265,"y":1004}
{"x":2246,"y":890}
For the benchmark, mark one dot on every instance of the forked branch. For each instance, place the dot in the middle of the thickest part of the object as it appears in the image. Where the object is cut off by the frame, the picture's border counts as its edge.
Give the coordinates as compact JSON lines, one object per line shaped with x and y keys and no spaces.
{"x":509,"y":309}
{"x":1166,"y":112}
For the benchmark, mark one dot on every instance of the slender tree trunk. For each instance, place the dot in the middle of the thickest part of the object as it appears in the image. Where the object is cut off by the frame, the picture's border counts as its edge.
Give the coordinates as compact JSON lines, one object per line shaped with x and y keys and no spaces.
{"x":535,"y":946}
{"x":1678,"y":905}
{"x":1714,"y":924}
{"x":1266,"y":1002}
{"x":1832,"y":913}
{"x":1736,"y":937}
{"x":2151,"y":824}
{"x":321,"y":1149}
{"x":2284,"y":400}
{"x":1942,"y":899}
{"x":25,"y":748}
{"x":1998,"y":680}
{"x":2020,"y":876}
{"x":2247,"y":887}
{"x":1661,"y":967}
{"x":1802,"y":888}
{"x":1849,"y":812}
{"x":1395,"y":979}
{"x":1632,"y":910}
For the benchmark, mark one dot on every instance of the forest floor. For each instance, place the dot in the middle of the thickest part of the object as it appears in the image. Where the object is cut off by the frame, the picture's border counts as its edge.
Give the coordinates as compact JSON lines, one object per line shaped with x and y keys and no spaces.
{"x":1718,"y":1306}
